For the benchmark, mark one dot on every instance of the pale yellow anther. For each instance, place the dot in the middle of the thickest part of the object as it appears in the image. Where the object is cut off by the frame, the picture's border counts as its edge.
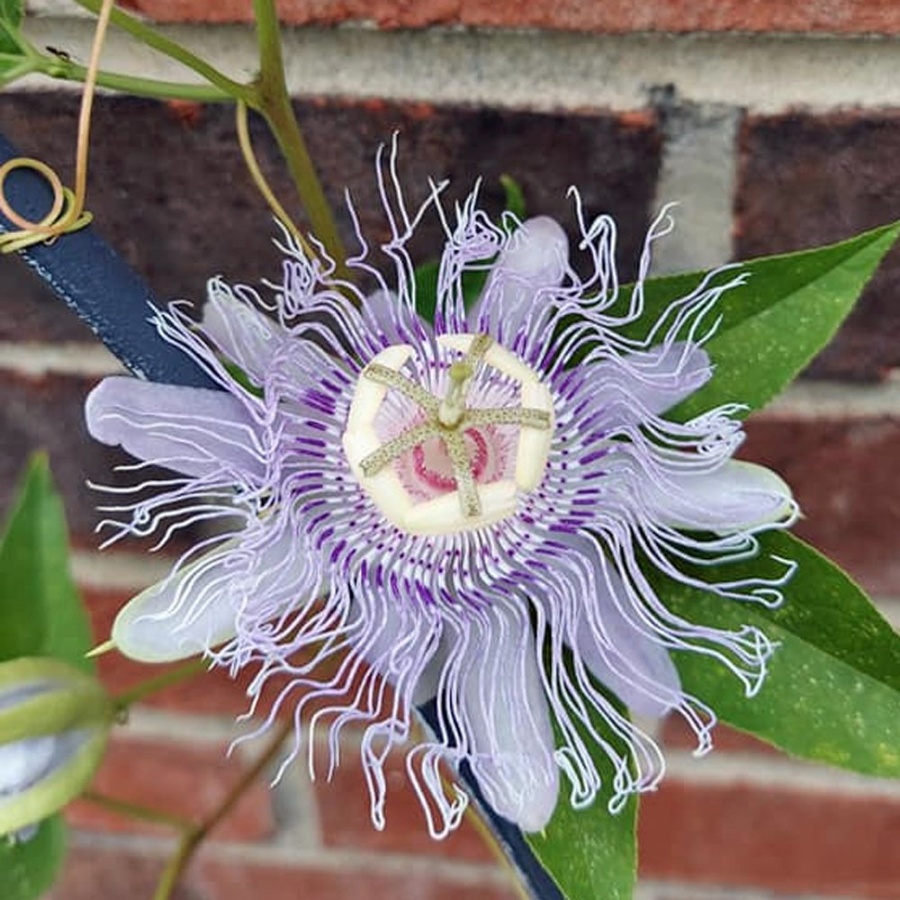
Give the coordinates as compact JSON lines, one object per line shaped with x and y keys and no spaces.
{"x":359,"y":443}
{"x":384,"y":487}
{"x":388,"y":452}
{"x":466,"y":488}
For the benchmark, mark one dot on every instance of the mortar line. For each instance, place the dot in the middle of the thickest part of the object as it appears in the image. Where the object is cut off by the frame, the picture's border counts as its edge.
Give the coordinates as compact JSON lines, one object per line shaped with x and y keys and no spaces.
{"x":36,"y":359}
{"x":334,"y":859}
{"x":549,"y":70}
{"x":728,"y":769}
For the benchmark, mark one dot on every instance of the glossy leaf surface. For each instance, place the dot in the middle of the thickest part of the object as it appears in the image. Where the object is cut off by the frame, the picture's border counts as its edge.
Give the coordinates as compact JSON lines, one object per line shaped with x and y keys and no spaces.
{"x":832,"y":693}
{"x":591,"y":853}
{"x":41,"y":613}
{"x":770,"y":328}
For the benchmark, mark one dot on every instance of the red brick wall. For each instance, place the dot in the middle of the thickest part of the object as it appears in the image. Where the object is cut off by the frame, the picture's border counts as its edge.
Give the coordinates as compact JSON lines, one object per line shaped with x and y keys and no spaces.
{"x":745,"y":822}
{"x":611,"y":17}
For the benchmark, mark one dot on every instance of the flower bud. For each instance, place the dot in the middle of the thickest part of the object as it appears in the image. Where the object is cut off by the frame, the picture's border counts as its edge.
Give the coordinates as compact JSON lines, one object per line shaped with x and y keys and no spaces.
{"x":54,"y":723}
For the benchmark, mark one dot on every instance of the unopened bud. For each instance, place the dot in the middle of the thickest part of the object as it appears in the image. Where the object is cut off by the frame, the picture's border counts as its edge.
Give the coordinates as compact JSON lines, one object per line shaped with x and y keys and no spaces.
{"x":54,"y":723}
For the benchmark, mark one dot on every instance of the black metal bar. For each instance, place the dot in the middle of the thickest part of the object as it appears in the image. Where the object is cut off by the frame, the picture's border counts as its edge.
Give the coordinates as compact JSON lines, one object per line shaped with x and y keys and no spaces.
{"x":511,"y":839}
{"x":94,"y":281}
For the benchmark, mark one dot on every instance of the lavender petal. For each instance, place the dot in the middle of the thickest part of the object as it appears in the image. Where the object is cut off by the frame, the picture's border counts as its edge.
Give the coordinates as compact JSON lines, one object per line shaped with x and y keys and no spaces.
{"x":634,"y":665}
{"x":533,"y":261}
{"x":663,"y":376}
{"x":734,"y":497}
{"x":508,"y":720}
{"x":244,"y":335}
{"x":195,"y":431}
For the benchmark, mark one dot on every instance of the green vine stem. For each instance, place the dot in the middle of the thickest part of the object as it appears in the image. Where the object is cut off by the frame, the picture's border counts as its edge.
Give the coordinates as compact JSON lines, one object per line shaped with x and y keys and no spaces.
{"x":192,"y":834}
{"x":134,"y":811}
{"x":195,"y":835}
{"x":273,"y":101}
{"x":246,"y":145}
{"x":267,"y":94}
{"x":152,"y":38}
{"x":125,"y":700}
{"x":57,"y":67}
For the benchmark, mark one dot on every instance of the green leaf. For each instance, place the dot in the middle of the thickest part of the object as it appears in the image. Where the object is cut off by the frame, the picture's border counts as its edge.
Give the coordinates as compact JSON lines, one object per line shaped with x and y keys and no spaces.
{"x":12,"y":12}
{"x":10,"y":49}
{"x":514,"y":198}
{"x":427,"y":283}
{"x":591,"y":853}
{"x":41,"y":613}
{"x":832,"y":692}
{"x":28,"y":869}
{"x":772,"y":327}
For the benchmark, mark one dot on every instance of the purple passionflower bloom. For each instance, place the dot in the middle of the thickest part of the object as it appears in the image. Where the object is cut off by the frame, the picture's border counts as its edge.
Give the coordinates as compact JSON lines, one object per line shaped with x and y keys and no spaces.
{"x":463,"y":511}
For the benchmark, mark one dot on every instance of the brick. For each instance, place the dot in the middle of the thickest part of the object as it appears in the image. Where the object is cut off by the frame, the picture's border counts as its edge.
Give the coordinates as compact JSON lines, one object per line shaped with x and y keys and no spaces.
{"x":742,"y":835}
{"x":345,"y":818}
{"x":221,"y":879}
{"x":676,"y":735}
{"x":47,"y":413}
{"x":151,"y":199}
{"x":844,"y":475}
{"x":181,"y":778}
{"x":806,"y":180}
{"x":616,"y":157}
{"x":31,"y":311}
{"x":182,"y":208}
{"x":615,"y":16}
{"x":92,"y":872}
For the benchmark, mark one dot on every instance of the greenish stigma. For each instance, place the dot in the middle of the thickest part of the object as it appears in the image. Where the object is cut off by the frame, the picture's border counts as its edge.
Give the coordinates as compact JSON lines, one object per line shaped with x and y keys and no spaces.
{"x":453,"y":408}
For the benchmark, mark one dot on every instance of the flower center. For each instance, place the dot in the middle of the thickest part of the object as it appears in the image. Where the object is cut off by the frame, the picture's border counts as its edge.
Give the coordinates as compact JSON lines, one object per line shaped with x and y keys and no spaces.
{"x":448,"y":468}
{"x":432,"y":465}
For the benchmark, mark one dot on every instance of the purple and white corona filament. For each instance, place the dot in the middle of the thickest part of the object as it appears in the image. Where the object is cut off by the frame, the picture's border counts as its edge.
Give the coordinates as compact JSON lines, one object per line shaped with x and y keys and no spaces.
{"x":446,"y":511}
